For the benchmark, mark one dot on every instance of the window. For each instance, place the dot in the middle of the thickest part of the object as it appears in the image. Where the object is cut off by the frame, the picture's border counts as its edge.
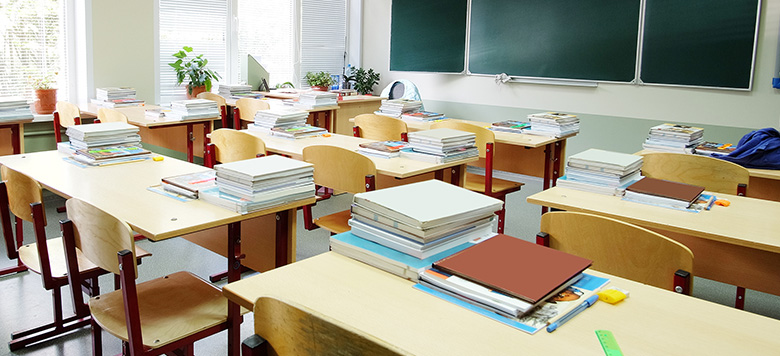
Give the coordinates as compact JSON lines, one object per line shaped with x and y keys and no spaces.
{"x":266,"y":30}
{"x":33,"y":35}
{"x":323,"y":40}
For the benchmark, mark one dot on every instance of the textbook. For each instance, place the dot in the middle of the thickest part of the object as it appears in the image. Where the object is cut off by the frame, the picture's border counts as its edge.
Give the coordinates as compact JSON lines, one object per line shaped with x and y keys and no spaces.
{"x":663,"y":192}
{"x":385,"y":149}
{"x":708,"y":148}
{"x":511,"y":126}
{"x":189,"y":184}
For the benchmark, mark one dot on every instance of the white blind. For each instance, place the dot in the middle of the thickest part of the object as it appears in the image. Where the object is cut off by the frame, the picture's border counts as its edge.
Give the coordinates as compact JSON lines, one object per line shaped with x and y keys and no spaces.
{"x":266,"y":30}
{"x":33,"y":36}
{"x":323,"y":36}
{"x":201,"y":25}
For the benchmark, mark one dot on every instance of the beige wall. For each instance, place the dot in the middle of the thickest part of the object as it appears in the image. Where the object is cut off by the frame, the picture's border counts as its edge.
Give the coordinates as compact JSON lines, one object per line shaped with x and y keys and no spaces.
{"x":123,"y":46}
{"x":755,"y":109}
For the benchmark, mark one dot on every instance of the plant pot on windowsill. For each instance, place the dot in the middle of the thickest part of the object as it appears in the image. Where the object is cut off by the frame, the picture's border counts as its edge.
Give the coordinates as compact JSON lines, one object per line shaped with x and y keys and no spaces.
{"x":192,"y":92}
{"x":47,"y":101}
{"x":319,"y":88}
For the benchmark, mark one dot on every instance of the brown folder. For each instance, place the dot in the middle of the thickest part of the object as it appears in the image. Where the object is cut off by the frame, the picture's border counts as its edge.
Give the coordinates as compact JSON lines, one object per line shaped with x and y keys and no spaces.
{"x":516,"y":267}
{"x":666,"y":189}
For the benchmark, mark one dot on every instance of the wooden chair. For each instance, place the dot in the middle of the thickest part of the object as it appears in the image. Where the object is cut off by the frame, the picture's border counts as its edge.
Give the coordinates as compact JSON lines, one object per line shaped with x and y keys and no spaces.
{"x":220,"y":101}
{"x":66,"y":115}
{"x":110,"y":115}
{"x":340,"y":169}
{"x":21,"y":196}
{"x":713,"y":174}
{"x":245,"y":111}
{"x":380,"y":128}
{"x":164,"y":315}
{"x":494,"y":187}
{"x":228,"y":145}
{"x":284,"y":329}
{"x":620,"y":248}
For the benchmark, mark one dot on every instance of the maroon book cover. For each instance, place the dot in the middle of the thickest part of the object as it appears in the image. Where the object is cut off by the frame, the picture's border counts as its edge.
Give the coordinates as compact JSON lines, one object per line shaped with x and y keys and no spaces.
{"x":666,"y":189}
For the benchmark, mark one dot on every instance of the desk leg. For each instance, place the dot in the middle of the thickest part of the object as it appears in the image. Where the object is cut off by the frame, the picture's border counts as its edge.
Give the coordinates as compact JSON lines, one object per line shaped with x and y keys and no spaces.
{"x":283,"y":237}
{"x":190,"y":140}
{"x":328,"y":118}
{"x":234,"y":274}
{"x":206,"y":140}
{"x":16,"y":140}
{"x":559,"y":146}
{"x":546,"y":178}
{"x":458,"y":175}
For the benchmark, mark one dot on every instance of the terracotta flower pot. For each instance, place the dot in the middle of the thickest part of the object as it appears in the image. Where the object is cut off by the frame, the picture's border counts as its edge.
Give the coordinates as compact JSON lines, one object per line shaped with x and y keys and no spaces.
{"x":195,"y":91}
{"x":318,"y":88}
{"x":47,"y":101}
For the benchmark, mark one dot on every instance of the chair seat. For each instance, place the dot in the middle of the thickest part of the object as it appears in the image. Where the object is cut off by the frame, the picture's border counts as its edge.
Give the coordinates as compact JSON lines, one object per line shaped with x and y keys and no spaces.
{"x":476,"y":183}
{"x":172,"y":308}
{"x":335,"y":223}
{"x":28,"y":254}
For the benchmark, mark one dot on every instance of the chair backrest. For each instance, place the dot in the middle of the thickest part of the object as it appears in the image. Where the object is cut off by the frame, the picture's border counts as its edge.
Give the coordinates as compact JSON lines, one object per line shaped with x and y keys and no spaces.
{"x":339,"y":168}
{"x":212,"y":96}
{"x":22,"y":191}
{"x":68,"y":112}
{"x":296,"y":330}
{"x":618,"y":248}
{"x":484,"y":136}
{"x":713,"y":174}
{"x":233,"y":145}
{"x":100,"y":236}
{"x":248,"y":107}
{"x":111,"y":115}
{"x":380,"y":128}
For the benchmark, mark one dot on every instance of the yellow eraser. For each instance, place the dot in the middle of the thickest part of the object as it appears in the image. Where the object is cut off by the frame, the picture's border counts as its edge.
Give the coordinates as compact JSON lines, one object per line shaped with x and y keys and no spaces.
{"x":325,"y":135}
{"x":158,"y":158}
{"x":612,"y":295}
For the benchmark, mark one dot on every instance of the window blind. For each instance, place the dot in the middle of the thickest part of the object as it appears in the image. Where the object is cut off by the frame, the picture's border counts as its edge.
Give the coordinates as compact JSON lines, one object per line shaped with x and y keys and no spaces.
{"x":323,"y":36}
{"x":266,"y":30}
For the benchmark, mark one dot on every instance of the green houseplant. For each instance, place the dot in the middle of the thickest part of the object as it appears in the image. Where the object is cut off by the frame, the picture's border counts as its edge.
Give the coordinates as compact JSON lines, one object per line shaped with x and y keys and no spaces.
{"x":193,"y":69}
{"x":319,"y":80}
{"x":364,"y":80}
{"x":46,"y":93}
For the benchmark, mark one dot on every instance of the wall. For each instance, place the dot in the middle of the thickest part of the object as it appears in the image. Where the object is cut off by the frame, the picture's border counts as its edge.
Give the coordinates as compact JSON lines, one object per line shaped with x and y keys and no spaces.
{"x":610,"y":108}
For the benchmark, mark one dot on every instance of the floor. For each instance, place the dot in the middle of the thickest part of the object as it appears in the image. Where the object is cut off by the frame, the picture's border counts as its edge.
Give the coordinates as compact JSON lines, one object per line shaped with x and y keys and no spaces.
{"x":26,"y":304}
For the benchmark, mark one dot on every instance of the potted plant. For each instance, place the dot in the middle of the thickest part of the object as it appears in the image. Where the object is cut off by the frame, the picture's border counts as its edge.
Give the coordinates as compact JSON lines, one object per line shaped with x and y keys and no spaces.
{"x":46,"y":93}
{"x":320,"y":81}
{"x":194,"y":69}
{"x":364,"y":80}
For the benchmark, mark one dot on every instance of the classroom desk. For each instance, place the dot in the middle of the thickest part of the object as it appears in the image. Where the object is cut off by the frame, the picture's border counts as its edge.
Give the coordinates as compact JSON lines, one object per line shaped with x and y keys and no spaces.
{"x":351,"y":106}
{"x":652,"y":321}
{"x":164,"y":133}
{"x":12,"y":131}
{"x":738,"y":244}
{"x":121,"y":190}
{"x":322,"y":116}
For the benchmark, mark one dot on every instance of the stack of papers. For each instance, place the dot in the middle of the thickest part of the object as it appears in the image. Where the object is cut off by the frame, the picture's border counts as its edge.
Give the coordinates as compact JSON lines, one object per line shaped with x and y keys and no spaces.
{"x":313,"y":99}
{"x":421,"y":116}
{"x":190,"y":184}
{"x":298,"y":131}
{"x":14,"y":108}
{"x":511,"y":126}
{"x":228,"y":90}
{"x":674,"y":138}
{"x":115,"y":97}
{"x":553,"y":124}
{"x":396,"y":107}
{"x":104,"y":143}
{"x":193,"y":109}
{"x":600,"y":171}
{"x":420,"y":220}
{"x":260,"y":183}
{"x":440,"y":145}
{"x":265,"y":120}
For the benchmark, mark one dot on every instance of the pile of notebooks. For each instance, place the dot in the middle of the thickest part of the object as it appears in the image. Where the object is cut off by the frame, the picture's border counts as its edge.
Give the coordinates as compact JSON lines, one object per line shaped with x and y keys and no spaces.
{"x":113,"y":97}
{"x":265,"y":120}
{"x":193,"y":109}
{"x":421,"y":116}
{"x":440,"y":145}
{"x":674,"y":138}
{"x":314,"y":99}
{"x":104,"y":143}
{"x":260,"y":183}
{"x":383,"y":149}
{"x":228,"y":90}
{"x":668,"y":194}
{"x":300,"y":131}
{"x":397,"y":107}
{"x":404,"y":229}
{"x":714,"y":149}
{"x":511,"y":126}
{"x":600,"y":171}
{"x":190,"y":184}
{"x":13,"y":108}
{"x":553,"y":124}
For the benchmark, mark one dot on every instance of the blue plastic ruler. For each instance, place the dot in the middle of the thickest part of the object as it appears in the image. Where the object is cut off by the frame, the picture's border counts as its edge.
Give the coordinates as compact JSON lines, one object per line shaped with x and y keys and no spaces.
{"x":608,"y":343}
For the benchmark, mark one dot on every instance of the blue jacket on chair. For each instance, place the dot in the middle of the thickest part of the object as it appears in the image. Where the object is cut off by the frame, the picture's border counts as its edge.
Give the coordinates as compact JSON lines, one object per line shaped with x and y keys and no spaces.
{"x":757,"y":149}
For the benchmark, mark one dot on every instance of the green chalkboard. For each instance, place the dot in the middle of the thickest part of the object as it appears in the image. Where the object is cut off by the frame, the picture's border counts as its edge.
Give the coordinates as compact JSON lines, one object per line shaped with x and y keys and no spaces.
{"x":584,"y":39}
{"x":428,"y":35}
{"x":699,"y":42}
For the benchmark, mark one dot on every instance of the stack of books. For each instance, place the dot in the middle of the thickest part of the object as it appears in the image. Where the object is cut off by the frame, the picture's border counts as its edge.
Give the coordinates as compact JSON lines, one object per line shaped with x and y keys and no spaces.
{"x":193,"y":109}
{"x":300,"y":131}
{"x":714,"y":149}
{"x":511,"y":126}
{"x":383,"y":149}
{"x":260,"y":183}
{"x":190,"y":184}
{"x":104,"y":143}
{"x":113,"y":97}
{"x":553,"y":124}
{"x":314,"y":99}
{"x":600,"y":171}
{"x":505,"y":278}
{"x":674,"y":138}
{"x":397,"y":107}
{"x":14,"y":108}
{"x":440,"y":145}
{"x":421,"y":116}
{"x":265,"y":120}
{"x":229,"y":90}
{"x":404,"y":229}
{"x":667,"y":194}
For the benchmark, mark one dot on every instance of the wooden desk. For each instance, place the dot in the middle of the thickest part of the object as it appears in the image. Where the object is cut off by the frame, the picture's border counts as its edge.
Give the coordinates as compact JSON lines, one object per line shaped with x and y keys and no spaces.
{"x":354,"y":105}
{"x":651,"y":322}
{"x":12,"y":131}
{"x":739,"y":244}
{"x":322,"y":116}
{"x":164,"y":133}
{"x":121,"y":190}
